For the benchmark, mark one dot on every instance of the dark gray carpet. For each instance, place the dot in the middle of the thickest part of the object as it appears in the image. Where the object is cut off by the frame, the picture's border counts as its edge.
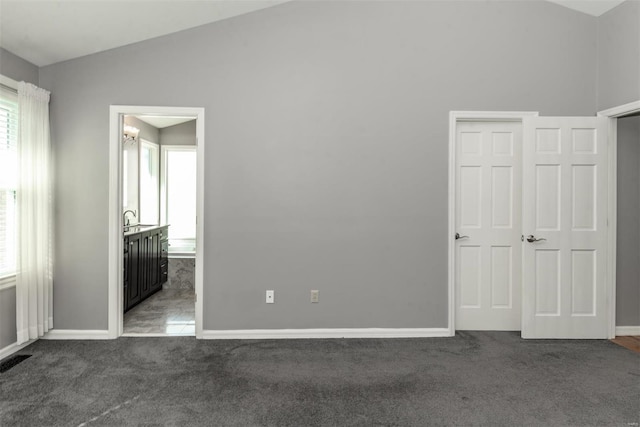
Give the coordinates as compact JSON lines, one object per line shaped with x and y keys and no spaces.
{"x":474,"y":378}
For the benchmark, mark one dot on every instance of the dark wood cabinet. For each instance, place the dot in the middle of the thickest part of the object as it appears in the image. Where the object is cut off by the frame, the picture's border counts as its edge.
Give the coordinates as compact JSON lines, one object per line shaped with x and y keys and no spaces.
{"x":133,"y":273}
{"x":125,"y":274}
{"x":145,"y":265}
{"x":145,"y":289}
{"x":164,"y":259}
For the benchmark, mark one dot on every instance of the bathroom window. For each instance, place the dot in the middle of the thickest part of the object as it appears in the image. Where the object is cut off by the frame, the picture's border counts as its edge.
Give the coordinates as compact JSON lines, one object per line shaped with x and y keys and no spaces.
{"x":178,"y":204}
{"x":8,"y":180}
{"x":149,"y":182}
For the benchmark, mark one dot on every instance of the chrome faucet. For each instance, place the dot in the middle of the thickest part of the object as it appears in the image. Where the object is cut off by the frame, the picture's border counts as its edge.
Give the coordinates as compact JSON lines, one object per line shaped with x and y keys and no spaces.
{"x":125,"y":220}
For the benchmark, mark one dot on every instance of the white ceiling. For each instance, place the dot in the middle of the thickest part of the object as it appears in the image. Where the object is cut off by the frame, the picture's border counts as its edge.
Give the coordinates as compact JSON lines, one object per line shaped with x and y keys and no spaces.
{"x":160,"y":122}
{"x":592,"y":7}
{"x":48,"y":31}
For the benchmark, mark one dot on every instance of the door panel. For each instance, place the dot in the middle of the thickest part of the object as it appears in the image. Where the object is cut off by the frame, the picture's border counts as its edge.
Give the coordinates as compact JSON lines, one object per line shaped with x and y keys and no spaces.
{"x":547,"y":284}
{"x":547,"y":196}
{"x":471,"y":195}
{"x":564,"y":205}
{"x":501,"y":276}
{"x":470,"y":275}
{"x":488,"y":211}
{"x":502,"y":197}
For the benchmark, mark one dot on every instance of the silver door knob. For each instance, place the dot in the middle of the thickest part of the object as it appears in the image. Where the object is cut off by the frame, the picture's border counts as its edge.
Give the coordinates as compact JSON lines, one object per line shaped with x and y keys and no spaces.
{"x":458,"y":236}
{"x":531,"y":238}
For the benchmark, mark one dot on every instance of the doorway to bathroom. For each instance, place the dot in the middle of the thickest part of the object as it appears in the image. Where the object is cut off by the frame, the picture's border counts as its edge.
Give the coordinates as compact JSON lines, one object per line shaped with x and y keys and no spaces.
{"x":155,"y":241}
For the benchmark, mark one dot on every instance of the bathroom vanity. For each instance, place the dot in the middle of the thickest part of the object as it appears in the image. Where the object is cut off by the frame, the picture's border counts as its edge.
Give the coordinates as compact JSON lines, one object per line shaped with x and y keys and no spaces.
{"x":145,"y":262}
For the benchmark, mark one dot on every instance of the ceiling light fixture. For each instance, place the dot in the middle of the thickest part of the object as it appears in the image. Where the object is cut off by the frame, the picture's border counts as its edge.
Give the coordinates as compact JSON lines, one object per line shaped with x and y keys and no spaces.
{"x":130,"y":134}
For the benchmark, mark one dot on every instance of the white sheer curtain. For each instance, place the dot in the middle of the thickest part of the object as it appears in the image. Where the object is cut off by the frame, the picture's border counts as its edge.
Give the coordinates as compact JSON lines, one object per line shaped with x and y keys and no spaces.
{"x":34,"y":279}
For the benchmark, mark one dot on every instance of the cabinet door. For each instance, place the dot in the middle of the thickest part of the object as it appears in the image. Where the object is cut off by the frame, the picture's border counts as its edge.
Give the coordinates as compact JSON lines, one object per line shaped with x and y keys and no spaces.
{"x":125,"y":275}
{"x":146,"y":274}
{"x":134,"y":270}
{"x":164,"y":252}
{"x":164,"y":262}
{"x":155,"y":248}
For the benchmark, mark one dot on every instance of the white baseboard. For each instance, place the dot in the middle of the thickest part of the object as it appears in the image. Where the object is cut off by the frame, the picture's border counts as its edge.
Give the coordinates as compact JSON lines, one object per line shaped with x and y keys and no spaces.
{"x":73,"y":334}
{"x":259,"y":334}
{"x":12,"y":348}
{"x":627,"y":330}
{"x":154,"y":334}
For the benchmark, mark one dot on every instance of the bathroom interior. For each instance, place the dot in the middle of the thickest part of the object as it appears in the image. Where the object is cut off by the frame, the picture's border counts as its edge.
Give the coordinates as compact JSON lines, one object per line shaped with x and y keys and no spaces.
{"x":159,"y":219}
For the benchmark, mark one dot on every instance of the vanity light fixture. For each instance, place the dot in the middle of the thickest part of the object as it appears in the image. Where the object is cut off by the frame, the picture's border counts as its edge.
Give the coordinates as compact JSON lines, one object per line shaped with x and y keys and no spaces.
{"x":130,"y":134}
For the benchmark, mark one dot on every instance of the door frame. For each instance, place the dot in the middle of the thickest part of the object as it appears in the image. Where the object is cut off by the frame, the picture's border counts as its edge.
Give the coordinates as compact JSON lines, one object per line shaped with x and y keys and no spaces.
{"x":454,"y":118}
{"x":116,"y":241}
{"x":612,"y":114}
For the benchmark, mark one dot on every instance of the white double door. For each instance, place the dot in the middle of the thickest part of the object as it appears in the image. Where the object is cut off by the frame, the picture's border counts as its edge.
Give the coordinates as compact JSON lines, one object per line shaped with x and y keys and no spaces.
{"x":531,"y":202}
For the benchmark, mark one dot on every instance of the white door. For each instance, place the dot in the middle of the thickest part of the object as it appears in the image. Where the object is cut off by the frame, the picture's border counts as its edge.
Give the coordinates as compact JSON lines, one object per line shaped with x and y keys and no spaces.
{"x":564,"y":208}
{"x":488,"y":219}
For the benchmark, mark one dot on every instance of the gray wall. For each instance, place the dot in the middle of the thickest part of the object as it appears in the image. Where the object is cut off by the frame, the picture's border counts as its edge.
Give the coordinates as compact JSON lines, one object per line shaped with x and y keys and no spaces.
{"x":619,"y":55}
{"x":182,"y":134}
{"x":628,"y":252}
{"x":326,"y":148}
{"x":20,"y":70}
{"x":618,"y":84}
{"x":8,"y":330}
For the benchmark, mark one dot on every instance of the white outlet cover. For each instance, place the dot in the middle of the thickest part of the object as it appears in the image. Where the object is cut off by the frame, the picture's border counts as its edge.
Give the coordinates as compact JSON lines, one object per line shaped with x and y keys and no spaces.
{"x":270,"y":297}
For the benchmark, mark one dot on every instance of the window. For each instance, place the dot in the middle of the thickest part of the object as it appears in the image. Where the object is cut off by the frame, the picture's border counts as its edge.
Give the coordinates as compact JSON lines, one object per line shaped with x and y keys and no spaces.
{"x":149,"y":182}
{"x":8,"y":180}
{"x":179,"y":196}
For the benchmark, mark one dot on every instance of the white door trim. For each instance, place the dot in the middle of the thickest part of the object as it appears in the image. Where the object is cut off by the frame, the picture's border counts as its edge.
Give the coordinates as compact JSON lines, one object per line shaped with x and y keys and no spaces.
{"x":621,"y":110}
{"x":613,"y":114}
{"x":454,"y":118}
{"x":116,"y":242}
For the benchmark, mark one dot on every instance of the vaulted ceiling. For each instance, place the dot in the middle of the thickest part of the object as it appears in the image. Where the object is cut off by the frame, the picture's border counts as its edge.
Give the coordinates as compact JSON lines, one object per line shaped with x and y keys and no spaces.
{"x":48,"y":31}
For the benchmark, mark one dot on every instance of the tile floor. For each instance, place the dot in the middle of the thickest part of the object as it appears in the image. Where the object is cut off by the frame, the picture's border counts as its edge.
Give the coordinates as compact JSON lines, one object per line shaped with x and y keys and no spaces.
{"x":181,"y":274}
{"x":169,"y":311}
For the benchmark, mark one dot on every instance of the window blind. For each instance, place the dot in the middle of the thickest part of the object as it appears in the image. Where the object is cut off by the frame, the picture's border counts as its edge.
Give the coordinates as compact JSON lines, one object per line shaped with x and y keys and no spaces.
{"x":9,"y":121}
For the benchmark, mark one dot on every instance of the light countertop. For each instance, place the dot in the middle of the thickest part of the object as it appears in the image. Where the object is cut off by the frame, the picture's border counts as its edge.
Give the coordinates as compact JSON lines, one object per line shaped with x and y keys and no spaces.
{"x":135,"y":229}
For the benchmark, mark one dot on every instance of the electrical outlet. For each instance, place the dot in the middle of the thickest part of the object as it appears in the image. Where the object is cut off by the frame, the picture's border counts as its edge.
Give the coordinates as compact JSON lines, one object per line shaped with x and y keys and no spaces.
{"x":315,"y":296}
{"x":271,"y":297}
